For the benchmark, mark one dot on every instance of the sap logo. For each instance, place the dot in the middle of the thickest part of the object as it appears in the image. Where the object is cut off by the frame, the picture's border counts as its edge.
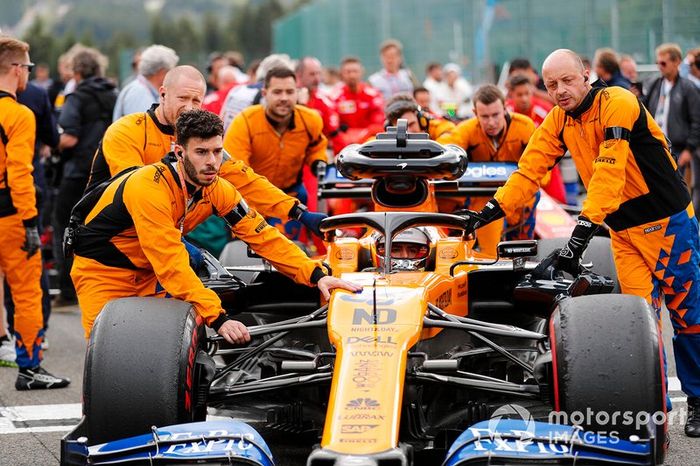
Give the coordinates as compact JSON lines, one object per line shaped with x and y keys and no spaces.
{"x":362,"y":403}
{"x":480,"y":171}
{"x":378,"y":317}
{"x":356,"y":428}
{"x":379,"y":339}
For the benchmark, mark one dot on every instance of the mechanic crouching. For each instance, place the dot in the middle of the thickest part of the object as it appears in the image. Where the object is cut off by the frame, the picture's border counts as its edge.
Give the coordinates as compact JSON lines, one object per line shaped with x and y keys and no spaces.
{"x":130,"y":242}
{"x":634,"y":186}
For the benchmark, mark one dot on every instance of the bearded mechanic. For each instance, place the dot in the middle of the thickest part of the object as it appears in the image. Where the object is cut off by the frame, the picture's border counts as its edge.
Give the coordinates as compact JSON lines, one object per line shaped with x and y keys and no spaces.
{"x":634,"y":187}
{"x":143,"y":138}
{"x":130,"y":242}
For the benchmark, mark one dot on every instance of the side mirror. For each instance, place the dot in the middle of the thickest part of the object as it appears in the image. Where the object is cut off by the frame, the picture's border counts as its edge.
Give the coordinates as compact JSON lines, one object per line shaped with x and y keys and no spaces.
{"x":519,"y":248}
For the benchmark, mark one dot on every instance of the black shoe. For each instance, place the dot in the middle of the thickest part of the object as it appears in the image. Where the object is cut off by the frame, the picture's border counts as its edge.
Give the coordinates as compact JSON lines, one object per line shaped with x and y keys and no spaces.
{"x":692,"y":425}
{"x":38,"y":378}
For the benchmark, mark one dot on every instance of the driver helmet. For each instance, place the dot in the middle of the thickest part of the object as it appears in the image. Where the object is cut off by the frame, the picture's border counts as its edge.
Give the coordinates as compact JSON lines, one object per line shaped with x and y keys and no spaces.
{"x":409,"y":250}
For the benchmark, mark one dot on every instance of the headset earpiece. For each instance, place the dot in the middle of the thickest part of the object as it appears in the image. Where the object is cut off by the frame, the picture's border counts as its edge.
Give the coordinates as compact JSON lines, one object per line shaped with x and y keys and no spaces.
{"x":423,"y":119}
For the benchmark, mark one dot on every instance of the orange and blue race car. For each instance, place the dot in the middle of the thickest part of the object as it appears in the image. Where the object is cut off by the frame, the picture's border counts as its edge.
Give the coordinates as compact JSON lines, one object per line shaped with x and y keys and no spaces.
{"x":444,"y":358}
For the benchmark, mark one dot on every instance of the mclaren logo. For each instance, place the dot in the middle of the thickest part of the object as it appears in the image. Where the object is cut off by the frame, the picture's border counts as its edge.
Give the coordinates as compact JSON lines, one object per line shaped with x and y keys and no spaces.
{"x":402,"y":165}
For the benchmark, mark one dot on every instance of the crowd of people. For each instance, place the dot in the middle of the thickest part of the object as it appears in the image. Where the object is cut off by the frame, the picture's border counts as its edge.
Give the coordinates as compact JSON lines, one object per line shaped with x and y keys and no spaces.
{"x":138,"y":173}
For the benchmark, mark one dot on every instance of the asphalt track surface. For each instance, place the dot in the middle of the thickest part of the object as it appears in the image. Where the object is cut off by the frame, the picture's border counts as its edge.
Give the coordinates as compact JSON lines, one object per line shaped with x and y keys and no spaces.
{"x":32,"y":423}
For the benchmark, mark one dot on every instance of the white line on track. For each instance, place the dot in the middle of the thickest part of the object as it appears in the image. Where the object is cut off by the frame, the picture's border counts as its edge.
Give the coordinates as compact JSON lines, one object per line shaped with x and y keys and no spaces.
{"x":63,"y":417}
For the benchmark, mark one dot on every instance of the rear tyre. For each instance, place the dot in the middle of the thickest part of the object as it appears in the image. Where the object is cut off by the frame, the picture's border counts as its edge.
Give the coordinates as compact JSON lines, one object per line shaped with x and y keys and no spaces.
{"x":606,"y":358}
{"x":141,"y":368}
{"x":598,"y":253}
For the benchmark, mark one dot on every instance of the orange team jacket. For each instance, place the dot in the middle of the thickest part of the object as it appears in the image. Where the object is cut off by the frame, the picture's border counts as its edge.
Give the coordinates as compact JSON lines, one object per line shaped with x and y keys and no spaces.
{"x":17,"y":133}
{"x":279,"y":157}
{"x":620,"y":153}
{"x":135,"y":226}
{"x":479,"y":146}
{"x":140,"y":139}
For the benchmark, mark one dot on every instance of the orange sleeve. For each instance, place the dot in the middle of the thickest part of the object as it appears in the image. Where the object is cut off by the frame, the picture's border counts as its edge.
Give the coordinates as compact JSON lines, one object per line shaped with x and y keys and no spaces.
{"x":267,"y":241}
{"x":617,"y":115}
{"x":316,"y":150}
{"x":19,"y":153}
{"x":237,"y":140}
{"x":540,"y":155}
{"x":265,"y":197}
{"x":459,"y":136}
{"x":123,"y":146}
{"x":150,"y":205}
{"x":440,"y":129}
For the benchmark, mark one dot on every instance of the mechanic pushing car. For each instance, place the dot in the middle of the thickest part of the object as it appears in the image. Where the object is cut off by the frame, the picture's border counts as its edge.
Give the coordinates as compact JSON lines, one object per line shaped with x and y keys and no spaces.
{"x":142,"y":138}
{"x":634,"y":186}
{"x":129,"y":244}
{"x":495,"y":135}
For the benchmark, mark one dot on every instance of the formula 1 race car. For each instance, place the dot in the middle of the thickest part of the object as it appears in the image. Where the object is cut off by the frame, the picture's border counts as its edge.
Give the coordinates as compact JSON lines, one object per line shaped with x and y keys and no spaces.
{"x":443,"y":358}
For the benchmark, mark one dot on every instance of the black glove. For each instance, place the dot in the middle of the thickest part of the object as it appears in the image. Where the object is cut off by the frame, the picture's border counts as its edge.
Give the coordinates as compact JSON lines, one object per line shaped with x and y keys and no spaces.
{"x":32,"y":242}
{"x":568,"y":258}
{"x":492,"y":211}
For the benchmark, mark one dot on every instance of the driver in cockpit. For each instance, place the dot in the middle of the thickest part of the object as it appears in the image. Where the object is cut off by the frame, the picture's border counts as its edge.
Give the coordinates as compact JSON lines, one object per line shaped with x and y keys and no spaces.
{"x":409,"y":250}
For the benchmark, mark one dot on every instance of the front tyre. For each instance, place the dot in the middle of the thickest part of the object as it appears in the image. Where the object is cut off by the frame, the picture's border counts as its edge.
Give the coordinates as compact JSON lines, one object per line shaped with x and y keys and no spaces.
{"x":606,"y":358}
{"x":141,"y":368}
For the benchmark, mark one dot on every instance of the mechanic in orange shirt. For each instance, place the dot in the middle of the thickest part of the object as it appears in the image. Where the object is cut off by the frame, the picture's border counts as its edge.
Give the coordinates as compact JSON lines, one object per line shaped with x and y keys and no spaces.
{"x":522,"y":99}
{"x":143,"y":138}
{"x":359,"y":105}
{"x":494,"y":135}
{"x":278,"y":138}
{"x":20,"y":256}
{"x":129,"y":243}
{"x":634,"y":186}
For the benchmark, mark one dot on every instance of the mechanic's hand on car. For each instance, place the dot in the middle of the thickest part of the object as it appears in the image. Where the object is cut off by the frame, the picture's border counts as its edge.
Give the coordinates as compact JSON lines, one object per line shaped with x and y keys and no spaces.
{"x":329,"y":283}
{"x":568,"y":258}
{"x":32,"y":241}
{"x":234,"y":332}
{"x":491,"y":211}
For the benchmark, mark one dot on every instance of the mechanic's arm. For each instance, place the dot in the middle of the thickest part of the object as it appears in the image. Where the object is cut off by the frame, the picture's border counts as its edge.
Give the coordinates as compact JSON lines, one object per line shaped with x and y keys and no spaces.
{"x":19,"y":154}
{"x":441,"y":129}
{"x":122,"y":148}
{"x":237,"y":140}
{"x":316,"y":149}
{"x":152,"y":212}
{"x":270,"y":243}
{"x":459,"y":136}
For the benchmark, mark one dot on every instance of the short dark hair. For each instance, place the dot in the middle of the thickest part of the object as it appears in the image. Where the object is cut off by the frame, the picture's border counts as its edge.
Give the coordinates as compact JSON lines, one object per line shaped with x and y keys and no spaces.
{"x":518,"y":80}
{"x":86,"y":63}
{"x":418,"y":90}
{"x":197,"y":123}
{"x":431,"y":66}
{"x":279,"y":72}
{"x":399,"y":104}
{"x":350,"y":59}
{"x":607,"y":59}
{"x":488,"y":94}
{"x":519,"y":64}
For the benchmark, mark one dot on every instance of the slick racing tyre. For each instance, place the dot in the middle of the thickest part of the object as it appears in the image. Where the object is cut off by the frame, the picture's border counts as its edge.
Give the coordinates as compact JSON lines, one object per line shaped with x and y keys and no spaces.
{"x":598,"y":253}
{"x":607,"y":361}
{"x":141,"y":368}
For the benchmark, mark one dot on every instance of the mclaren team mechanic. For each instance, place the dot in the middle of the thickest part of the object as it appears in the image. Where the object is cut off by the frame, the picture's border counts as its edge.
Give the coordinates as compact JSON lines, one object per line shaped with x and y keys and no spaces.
{"x":129,"y":244}
{"x":20,"y":258}
{"x":144,"y":138}
{"x":634,"y":187}
{"x":419,"y":120}
{"x":278,"y":138}
{"x":495,"y":135}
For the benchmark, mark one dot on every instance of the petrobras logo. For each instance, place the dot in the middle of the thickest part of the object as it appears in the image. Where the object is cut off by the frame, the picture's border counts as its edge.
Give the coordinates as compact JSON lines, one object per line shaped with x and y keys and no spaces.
{"x":488,"y":171}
